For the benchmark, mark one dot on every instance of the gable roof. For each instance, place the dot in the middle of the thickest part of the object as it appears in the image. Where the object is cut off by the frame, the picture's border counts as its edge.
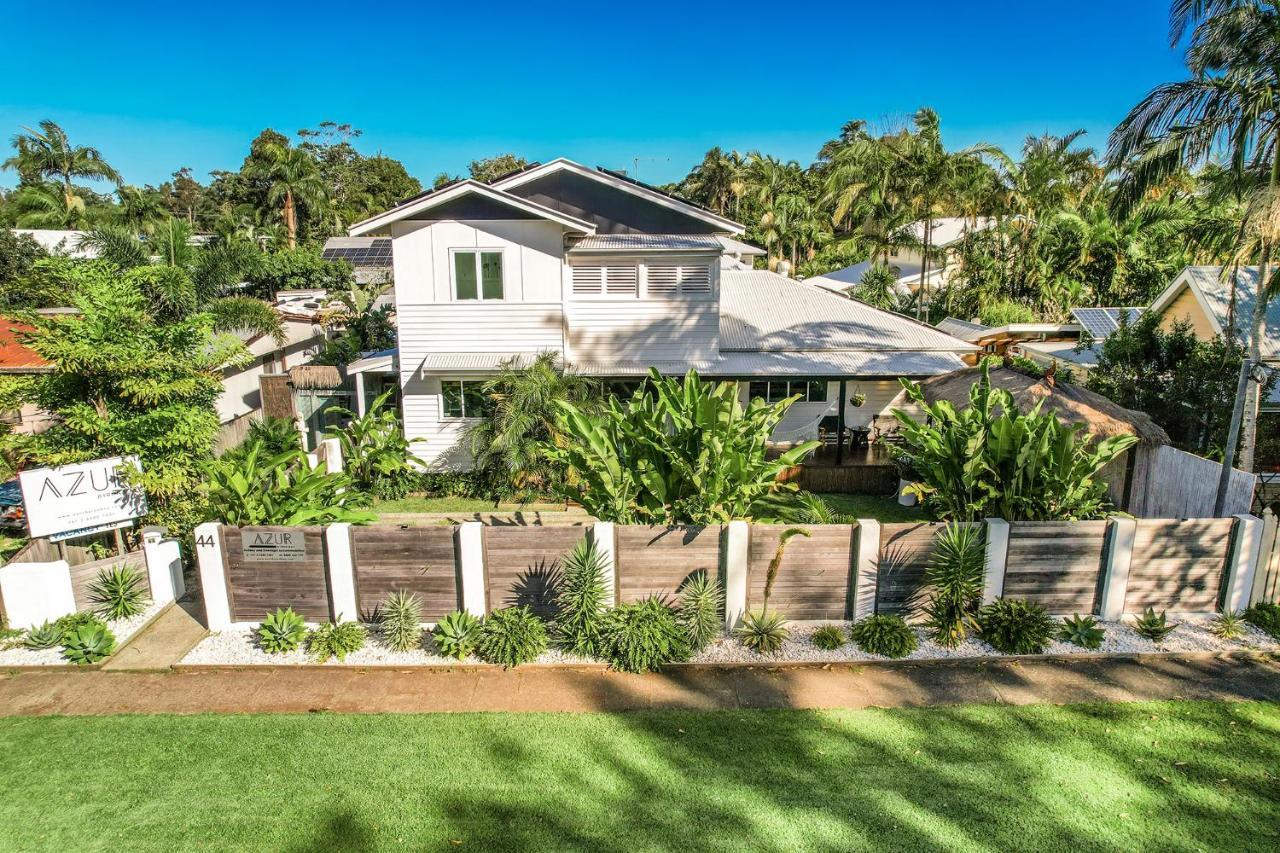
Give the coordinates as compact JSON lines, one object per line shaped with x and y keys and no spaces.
{"x":435,"y":198}
{"x":764,"y":311}
{"x":620,"y":182}
{"x":16,"y":356}
{"x":1213,"y":295}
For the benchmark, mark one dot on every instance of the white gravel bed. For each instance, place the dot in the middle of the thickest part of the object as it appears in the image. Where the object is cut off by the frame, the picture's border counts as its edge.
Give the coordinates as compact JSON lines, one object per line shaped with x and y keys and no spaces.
{"x":124,"y":629}
{"x":239,"y":647}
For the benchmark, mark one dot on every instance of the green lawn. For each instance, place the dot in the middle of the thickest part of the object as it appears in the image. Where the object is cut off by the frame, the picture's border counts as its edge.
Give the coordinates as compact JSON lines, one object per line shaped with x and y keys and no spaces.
{"x":1167,"y":776}
{"x":882,"y":508}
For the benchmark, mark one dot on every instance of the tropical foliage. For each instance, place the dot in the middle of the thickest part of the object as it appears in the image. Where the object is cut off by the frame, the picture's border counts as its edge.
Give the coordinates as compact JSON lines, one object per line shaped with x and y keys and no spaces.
{"x":375,"y":452}
{"x":953,"y":581}
{"x":256,"y":489}
{"x":990,"y":460}
{"x":1016,"y":627}
{"x":678,"y":451}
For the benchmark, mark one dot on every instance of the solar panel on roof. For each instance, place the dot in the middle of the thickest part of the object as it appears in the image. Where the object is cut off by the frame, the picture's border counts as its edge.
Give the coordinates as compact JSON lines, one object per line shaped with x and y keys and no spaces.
{"x":1098,"y":322}
{"x":376,"y":254}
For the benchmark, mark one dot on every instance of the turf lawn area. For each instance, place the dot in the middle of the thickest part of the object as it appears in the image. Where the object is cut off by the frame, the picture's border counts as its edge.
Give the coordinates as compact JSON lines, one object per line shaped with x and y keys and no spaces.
{"x":1166,"y":776}
{"x":879,"y":507}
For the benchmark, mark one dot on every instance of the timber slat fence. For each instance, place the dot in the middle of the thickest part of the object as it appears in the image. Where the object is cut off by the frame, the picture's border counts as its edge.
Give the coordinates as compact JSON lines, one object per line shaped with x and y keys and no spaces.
{"x":838,"y":571}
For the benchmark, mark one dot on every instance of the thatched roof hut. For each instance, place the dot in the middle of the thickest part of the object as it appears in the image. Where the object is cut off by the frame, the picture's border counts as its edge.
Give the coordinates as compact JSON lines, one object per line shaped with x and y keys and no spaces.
{"x":1071,"y":403}
{"x":315,"y":377}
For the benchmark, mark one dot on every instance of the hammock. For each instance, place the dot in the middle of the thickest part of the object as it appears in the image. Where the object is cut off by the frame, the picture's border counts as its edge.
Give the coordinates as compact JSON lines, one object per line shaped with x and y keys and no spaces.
{"x":806,"y":429}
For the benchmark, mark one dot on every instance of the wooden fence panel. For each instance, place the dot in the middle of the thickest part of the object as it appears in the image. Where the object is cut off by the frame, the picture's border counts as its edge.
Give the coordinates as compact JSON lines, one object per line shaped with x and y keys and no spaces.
{"x":420,"y":560}
{"x":905,"y":550}
{"x":522,"y":565}
{"x":257,"y":587}
{"x":1178,"y":564}
{"x":813,"y":581}
{"x":656,"y":560}
{"x":1055,"y":564}
{"x":84,"y":574}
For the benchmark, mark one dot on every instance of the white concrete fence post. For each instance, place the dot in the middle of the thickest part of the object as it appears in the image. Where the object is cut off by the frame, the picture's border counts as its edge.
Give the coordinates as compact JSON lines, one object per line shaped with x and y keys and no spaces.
{"x":342,"y":572}
{"x":1245,"y":549}
{"x":602,"y":536}
{"x":35,"y":593}
{"x":164,"y":565}
{"x":213,"y":576}
{"x":737,"y":549}
{"x":1266,"y":556}
{"x":471,"y":564}
{"x":1119,"y":560}
{"x":330,"y":450}
{"x":866,"y":569}
{"x":997,"y":559}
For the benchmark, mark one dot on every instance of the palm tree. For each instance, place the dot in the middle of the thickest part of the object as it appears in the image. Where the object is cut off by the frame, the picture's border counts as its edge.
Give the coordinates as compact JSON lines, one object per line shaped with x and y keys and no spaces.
{"x":1228,"y":104}
{"x":48,"y":153}
{"x":294,"y":179}
{"x":717,"y":182}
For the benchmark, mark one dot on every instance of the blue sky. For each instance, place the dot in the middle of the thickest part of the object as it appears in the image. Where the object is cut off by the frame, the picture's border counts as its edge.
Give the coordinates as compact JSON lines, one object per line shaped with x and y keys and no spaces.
{"x":159,"y":86}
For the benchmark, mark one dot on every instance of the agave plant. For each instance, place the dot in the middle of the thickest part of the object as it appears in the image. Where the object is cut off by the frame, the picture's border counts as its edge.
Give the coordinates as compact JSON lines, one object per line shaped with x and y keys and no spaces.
{"x":457,"y":634}
{"x":88,"y":644}
{"x":763,"y":631}
{"x":118,"y":593}
{"x":282,"y":631}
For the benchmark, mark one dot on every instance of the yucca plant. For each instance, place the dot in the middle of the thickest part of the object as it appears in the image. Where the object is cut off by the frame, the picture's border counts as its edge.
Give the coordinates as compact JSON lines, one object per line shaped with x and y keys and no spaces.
{"x":457,"y":634}
{"x":884,"y":634}
{"x":400,"y":618}
{"x":1082,"y":631}
{"x":953,"y":579}
{"x":829,"y":638}
{"x":282,"y":631}
{"x":580,"y":604}
{"x":335,"y":641}
{"x":88,"y":644}
{"x":643,"y":636}
{"x":44,"y":636}
{"x":1228,"y":625}
{"x":701,"y":609}
{"x":763,"y":632}
{"x":118,"y":593}
{"x":1154,"y":627}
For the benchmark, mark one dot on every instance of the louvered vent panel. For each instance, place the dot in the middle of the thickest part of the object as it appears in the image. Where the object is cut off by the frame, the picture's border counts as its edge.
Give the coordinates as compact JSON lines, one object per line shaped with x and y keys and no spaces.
{"x":695,"y":279}
{"x":588,"y":281}
{"x":663,"y":279}
{"x":622,"y":280}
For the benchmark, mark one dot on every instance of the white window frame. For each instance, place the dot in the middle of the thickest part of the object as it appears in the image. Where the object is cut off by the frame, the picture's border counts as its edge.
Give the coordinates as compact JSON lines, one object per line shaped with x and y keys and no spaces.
{"x":477,"y":251}
{"x":462,"y":382}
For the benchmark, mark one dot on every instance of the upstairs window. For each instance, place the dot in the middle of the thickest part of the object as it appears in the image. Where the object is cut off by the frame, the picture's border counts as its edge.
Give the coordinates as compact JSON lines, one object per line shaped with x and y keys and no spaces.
{"x":666,"y":279}
{"x":465,"y":399}
{"x":477,"y":274}
{"x":777,"y":390}
{"x":606,"y":280}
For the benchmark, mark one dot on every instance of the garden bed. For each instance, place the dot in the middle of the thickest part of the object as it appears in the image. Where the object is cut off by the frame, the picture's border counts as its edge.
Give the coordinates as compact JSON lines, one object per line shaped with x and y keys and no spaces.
{"x":123,"y":629}
{"x":239,"y":647}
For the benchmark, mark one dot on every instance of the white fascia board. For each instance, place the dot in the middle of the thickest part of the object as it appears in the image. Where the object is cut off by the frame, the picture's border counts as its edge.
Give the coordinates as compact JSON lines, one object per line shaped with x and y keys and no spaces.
{"x":466,"y":188}
{"x":635,"y":189}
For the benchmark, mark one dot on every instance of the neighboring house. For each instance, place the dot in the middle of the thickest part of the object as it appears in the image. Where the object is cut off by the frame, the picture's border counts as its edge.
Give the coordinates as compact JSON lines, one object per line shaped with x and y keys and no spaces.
{"x":304,"y":337}
{"x":616,"y":277}
{"x":57,"y":242}
{"x":945,"y":238}
{"x":370,"y":257}
{"x":18,"y":359}
{"x":1047,"y":344}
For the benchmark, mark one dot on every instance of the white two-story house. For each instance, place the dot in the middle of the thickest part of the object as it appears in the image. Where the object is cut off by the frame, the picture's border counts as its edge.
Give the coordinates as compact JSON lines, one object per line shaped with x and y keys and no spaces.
{"x":618,"y":277}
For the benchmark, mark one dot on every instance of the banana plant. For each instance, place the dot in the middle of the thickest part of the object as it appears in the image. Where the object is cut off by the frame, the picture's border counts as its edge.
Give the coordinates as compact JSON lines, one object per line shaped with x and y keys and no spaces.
{"x":255,"y":489}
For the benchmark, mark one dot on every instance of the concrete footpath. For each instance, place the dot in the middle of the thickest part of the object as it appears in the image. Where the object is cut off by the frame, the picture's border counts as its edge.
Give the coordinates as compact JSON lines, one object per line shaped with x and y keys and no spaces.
{"x":541,"y":688}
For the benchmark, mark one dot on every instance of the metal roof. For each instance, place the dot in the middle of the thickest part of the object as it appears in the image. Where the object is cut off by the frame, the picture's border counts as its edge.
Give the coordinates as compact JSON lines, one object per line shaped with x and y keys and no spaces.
{"x":648,"y":243}
{"x":818,"y":364}
{"x":962,"y":329}
{"x":763,"y":311}
{"x":439,"y":362}
{"x":1214,"y":295}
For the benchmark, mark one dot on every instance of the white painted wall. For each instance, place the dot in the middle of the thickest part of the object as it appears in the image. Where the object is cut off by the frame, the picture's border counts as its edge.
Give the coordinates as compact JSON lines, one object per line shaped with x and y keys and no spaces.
{"x":532,"y":253}
{"x":240,"y":394}
{"x":643,"y":329}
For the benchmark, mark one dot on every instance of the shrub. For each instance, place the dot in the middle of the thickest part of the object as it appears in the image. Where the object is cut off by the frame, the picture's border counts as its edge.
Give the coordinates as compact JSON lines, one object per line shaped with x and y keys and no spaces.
{"x":72,"y":621}
{"x":457,"y":634}
{"x":374,"y":447}
{"x":44,"y":636}
{"x":954,"y":578}
{"x":701,"y":609}
{"x":88,"y":643}
{"x":275,"y":435}
{"x":1153,"y":627}
{"x":118,"y":593}
{"x":511,"y":636}
{"x":581,"y":601}
{"x":335,"y":641}
{"x":829,"y":638}
{"x":1082,"y":631}
{"x":400,"y":618}
{"x":884,"y":635}
{"x":1266,"y":616}
{"x":643,"y":636}
{"x":1015,"y":627}
{"x":763,"y":631}
{"x":282,"y":631}
{"x":1228,"y":626}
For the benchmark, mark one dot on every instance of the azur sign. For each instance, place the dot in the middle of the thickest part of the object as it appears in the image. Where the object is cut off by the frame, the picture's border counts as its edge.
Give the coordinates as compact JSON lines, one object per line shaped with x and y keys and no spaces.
{"x":85,"y":497}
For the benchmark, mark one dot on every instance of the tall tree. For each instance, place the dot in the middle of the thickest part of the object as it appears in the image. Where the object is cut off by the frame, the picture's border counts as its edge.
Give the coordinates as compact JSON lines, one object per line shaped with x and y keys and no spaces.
{"x":292,"y":178}
{"x":492,"y":168}
{"x":47,"y":153}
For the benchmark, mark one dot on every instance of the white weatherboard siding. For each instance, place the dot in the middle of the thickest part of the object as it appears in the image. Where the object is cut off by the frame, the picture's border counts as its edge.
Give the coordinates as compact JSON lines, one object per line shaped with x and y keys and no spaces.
{"x":531,"y":258}
{"x":610,"y":330}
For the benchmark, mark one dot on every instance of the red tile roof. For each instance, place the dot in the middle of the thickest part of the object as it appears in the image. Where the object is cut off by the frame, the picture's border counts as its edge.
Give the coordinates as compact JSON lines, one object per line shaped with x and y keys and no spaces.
{"x":14,"y":356}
